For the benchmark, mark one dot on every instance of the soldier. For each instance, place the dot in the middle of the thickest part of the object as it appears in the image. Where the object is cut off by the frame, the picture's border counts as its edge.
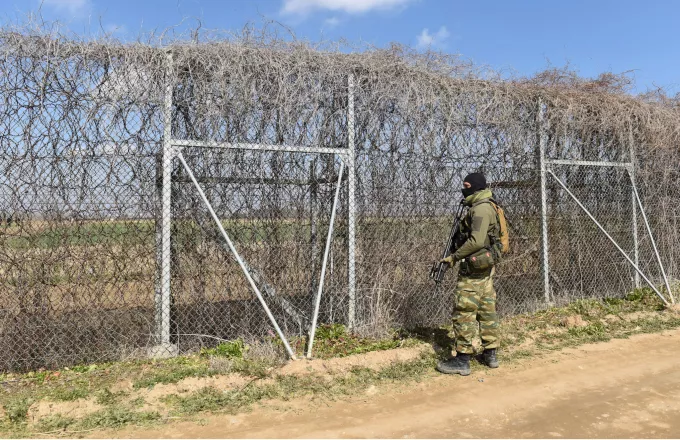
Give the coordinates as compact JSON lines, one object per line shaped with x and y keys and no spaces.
{"x":475,"y":298}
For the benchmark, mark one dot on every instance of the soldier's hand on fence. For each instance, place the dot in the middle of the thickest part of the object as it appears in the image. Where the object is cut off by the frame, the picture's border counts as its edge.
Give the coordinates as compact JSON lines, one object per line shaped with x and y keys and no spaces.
{"x":448,"y":260}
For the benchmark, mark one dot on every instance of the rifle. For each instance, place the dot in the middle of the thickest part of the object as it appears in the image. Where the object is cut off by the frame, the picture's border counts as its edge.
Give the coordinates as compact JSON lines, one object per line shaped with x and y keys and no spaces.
{"x":439,"y":268}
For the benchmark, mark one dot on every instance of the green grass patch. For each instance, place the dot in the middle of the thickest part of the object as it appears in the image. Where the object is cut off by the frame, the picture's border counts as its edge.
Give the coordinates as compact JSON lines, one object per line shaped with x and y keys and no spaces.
{"x":105,"y":397}
{"x":258,"y":368}
{"x":595,"y":332}
{"x":116,"y":417}
{"x":231,"y":349}
{"x":173,"y":372}
{"x":333,"y":340}
{"x":55,"y":423}
{"x":16,"y":410}
{"x":70,"y":393}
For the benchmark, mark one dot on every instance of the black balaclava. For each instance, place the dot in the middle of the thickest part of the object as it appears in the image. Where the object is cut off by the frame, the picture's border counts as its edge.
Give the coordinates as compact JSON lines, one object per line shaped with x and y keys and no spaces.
{"x":477,"y":182}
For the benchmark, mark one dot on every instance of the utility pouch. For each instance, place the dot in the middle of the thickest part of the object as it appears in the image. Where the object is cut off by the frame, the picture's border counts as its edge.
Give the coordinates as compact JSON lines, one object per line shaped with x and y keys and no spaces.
{"x":481,"y":261}
{"x":497,"y":252}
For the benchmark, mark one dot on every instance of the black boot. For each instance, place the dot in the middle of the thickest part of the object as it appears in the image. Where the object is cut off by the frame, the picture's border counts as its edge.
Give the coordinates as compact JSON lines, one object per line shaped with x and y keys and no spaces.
{"x":488,"y":358}
{"x":457,"y":365}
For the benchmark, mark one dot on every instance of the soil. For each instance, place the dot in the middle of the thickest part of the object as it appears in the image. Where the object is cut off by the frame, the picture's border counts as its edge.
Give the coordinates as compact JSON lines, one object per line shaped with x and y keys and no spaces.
{"x":373,"y":360}
{"x":153,"y":397}
{"x":75,"y":409}
{"x":574,"y":321}
{"x":619,"y":389}
{"x":675,"y":308}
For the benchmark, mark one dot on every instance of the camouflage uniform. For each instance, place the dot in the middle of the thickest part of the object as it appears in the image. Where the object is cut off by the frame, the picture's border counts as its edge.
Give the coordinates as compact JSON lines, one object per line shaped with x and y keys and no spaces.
{"x":475,"y":297}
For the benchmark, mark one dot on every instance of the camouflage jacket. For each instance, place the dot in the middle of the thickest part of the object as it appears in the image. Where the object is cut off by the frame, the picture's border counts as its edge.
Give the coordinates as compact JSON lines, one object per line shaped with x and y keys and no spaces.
{"x":478,"y":226}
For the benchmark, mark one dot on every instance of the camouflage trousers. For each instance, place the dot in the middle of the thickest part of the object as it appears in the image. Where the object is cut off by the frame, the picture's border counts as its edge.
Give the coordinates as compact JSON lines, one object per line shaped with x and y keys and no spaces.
{"x":475,"y":310}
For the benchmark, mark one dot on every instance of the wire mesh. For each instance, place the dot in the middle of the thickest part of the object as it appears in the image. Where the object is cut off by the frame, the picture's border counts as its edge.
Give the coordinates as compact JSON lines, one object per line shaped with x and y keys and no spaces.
{"x":583,"y":262}
{"x":276,"y":208}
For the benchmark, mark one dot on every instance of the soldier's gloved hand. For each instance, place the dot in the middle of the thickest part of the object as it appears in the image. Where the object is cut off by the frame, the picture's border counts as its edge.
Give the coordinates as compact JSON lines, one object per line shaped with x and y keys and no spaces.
{"x":448,"y":260}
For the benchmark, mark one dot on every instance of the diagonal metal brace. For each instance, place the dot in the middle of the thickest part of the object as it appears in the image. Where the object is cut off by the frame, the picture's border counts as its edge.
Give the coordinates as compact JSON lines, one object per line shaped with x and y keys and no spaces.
{"x":322,"y":277}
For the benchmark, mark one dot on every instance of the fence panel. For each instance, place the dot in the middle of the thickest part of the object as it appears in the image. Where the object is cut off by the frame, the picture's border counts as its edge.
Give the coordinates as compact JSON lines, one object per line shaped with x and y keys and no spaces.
{"x":88,"y":127}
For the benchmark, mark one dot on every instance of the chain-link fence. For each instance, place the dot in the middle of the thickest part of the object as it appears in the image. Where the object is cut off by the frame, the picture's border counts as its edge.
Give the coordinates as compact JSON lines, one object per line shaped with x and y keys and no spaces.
{"x":155,"y":200}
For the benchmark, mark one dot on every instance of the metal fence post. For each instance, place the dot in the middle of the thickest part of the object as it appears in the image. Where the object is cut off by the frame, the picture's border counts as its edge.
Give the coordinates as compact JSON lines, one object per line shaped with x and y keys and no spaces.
{"x":351,"y":184}
{"x":164,"y":347}
{"x":545,"y":261}
{"x":158,"y":226}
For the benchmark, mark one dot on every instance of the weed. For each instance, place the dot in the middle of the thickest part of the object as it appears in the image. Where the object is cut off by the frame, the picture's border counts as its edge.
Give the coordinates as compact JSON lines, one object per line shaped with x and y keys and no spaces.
{"x":594,"y":332}
{"x":234,"y":349}
{"x":645,"y":297}
{"x":105,"y":397}
{"x":408,"y":370}
{"x":54,"y":423}
{"x":653,"y":325}
{"x":115,"y":417}
{"x":517,"y":354}
{"x":330,"y":332}
{"x":17,"y":410}
{"x":333,"y":340}
{"x":137,"y":403}
{"x":635,"y":295}
{"x":598,"y":327}
{"x":205,"y":399}
{"x":613,"y":302}
{"x":586,"y":307}
{"x":70,"y":393}
{"x":172,"y":374}
{"x":254,"y":368}
{"x":83,"y":368}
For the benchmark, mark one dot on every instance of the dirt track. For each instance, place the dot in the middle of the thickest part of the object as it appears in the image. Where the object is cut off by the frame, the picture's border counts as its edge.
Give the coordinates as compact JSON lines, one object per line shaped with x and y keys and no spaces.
{"x":623,"y":388}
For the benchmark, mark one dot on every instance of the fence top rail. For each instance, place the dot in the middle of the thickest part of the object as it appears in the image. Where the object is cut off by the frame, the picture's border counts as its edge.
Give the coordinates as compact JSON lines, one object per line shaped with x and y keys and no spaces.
{"x":259,"y":147}
{"x":588,"y":163}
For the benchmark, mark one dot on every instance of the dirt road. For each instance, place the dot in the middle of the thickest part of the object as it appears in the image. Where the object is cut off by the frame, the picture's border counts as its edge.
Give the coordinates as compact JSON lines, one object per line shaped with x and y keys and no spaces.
{"x":623,"y":388}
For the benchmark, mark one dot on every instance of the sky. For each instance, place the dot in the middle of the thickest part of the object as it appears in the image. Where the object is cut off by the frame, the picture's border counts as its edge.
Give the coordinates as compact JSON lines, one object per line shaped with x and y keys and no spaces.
{"x":518,"y":37}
